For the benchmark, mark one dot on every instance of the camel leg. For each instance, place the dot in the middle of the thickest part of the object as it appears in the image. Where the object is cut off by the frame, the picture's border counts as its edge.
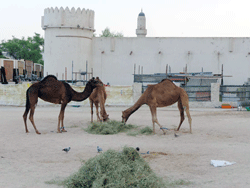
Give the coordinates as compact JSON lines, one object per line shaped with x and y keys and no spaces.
{"x":60,"y":119}
{"x":25,"y":118}
{"x":91,"y":107}
{"x":189,"y":119}
{"x":181,"y":114}
{"x":97,"y":112}
{"x":184,"y":101}
{"x":32,"y":111}
{"x":154,"y":119}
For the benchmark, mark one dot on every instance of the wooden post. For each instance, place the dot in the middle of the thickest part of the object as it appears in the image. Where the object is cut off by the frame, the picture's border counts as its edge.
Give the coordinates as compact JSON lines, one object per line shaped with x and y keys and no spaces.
{"x":185,"y":81}
{"x":222,"y":74}
{"x":72,"y":71}
{"x":167,"y":70}
{"x":86,"y":70}
{"x":65,"y":74}
{"x":134,"y":68}
{"x":139,"y":69}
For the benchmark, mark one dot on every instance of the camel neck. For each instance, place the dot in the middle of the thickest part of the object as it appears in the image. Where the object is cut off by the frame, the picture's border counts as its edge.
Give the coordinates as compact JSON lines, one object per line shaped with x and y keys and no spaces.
{"x":136,"y":106}
{"x":81,"y":96}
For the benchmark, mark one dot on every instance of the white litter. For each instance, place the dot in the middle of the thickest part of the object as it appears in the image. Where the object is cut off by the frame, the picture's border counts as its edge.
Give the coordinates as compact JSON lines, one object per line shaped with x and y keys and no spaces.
{"x":219,"y":163}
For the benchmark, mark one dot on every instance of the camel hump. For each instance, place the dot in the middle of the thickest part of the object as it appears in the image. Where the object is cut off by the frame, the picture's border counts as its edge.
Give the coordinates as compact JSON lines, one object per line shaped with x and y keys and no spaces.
{"x":48,"y":77}
{"x":166,"y":80}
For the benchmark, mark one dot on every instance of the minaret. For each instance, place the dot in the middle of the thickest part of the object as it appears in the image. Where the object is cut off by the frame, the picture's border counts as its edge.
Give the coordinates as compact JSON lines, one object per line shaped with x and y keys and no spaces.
{"x":141,"y":30}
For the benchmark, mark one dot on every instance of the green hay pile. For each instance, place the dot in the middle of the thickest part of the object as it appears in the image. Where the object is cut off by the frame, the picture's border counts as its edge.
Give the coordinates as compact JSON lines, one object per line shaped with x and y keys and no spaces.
{"x":109,"y":127}
{"x":146,"y":130}
{"x":115,"y":169}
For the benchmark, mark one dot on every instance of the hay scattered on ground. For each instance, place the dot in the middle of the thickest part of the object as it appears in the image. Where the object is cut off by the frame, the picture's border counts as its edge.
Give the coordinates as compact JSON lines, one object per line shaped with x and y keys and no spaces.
{"x":146,"y":130}
{"x":115,"y":169}
{"x":109,"y":127}
{"x":115,"y":127}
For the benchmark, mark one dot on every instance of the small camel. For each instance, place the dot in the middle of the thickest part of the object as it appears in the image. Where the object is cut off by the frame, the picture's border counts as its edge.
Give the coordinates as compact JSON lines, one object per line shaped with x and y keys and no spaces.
{"x":57,"y":92}
{"x":162,"y":94}
{"x":99,"y":96}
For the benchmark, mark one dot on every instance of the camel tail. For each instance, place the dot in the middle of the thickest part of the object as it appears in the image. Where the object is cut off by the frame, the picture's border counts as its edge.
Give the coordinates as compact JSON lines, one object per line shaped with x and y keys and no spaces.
{"x":27,"y":108}
{"x":185,"y":104}
{"x":27,"y":101}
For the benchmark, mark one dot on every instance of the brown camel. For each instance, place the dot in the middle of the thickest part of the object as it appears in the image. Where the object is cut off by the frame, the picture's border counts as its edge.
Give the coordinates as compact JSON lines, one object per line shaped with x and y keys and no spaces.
{"x":99,"y":96}
{"x":57,"y":92}
{"x":162,"y":94}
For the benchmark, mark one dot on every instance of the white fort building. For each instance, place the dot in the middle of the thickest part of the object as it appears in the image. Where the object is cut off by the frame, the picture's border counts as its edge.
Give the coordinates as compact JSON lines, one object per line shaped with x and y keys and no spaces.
{"x":69,"y":38}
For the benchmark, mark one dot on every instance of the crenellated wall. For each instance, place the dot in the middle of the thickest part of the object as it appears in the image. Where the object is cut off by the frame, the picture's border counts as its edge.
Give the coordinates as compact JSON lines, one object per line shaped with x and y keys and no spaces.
{"x":83,"y":19}
{"x":68,"y":38}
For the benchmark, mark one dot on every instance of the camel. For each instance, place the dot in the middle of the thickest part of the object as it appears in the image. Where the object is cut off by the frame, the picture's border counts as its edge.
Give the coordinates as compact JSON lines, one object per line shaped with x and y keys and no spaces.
{"x":99,"y":96}
{"x":162,"y":94}
{"x":57,"y":92}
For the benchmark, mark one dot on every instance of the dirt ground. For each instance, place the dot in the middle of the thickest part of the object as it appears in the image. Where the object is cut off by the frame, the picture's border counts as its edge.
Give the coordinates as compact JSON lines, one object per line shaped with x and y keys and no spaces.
{"x":29,"y":160}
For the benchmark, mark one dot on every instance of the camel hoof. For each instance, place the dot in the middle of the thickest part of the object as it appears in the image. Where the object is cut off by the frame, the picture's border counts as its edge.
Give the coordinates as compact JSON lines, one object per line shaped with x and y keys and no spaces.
{"x":64,"y":130}
{"x":59,"y":131}
{"x":38,"y":132}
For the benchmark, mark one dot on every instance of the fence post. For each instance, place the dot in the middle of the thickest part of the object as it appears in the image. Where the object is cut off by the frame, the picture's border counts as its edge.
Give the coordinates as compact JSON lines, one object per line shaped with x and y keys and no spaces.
{"x":137,"y":91}
{"x":215,"y":93}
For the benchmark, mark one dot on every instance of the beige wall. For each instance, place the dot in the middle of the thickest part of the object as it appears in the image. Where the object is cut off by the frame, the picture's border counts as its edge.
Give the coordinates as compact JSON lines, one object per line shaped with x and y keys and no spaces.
{"x":16,"y":95}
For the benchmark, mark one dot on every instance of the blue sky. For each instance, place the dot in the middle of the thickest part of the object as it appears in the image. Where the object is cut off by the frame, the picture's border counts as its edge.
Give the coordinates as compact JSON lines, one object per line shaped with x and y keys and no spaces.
{"x":165,"y":18}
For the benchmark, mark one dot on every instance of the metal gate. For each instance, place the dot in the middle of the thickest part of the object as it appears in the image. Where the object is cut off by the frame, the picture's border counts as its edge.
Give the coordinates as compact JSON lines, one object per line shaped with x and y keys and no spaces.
{"x":234,"y":93}
{"x":198,"y":93}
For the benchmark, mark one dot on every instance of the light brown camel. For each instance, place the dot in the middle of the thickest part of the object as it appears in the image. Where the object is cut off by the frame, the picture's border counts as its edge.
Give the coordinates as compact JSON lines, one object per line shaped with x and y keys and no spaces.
{"x":57,"y":92}
{"x":99,"y":96}
{"x":162,"y":94}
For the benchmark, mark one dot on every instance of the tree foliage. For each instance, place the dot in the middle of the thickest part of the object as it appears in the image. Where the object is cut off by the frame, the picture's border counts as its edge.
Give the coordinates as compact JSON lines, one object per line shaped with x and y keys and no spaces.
{"x":1,"y":54}
{"x":29,"y":49}
{"x":107,"y":33}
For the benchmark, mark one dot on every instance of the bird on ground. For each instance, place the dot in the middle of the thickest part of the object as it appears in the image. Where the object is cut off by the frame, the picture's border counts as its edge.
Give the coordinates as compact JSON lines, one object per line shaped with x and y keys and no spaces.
{"x":99,"y":149}
{"x":137,"y":149}
{"x":66,"y":149}
{"x":164,"y":128}
{"x":176,"y":135}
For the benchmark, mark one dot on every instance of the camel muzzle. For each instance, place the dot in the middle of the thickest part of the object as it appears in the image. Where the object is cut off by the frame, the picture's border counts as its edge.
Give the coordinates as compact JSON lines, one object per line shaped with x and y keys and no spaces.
{"x":124,"y":120}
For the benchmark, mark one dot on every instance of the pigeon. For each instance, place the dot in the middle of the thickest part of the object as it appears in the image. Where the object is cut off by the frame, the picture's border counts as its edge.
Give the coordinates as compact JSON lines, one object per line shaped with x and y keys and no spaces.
{"x":137,"y":149}
{"x":99,"y":149}
{"x":164,"y":128}
{"x":176,"y":135}
{"x":66,"y":149}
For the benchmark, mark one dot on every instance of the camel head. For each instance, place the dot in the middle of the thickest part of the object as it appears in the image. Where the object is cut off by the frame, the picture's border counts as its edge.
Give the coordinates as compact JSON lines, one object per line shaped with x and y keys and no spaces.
{"x":106,"y":117}
{"x":124,"y":117}
{"x":93,"y":83}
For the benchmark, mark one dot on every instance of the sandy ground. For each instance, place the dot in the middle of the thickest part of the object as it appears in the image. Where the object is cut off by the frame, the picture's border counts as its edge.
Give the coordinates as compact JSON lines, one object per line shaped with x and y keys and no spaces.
{"x":28,"y":160}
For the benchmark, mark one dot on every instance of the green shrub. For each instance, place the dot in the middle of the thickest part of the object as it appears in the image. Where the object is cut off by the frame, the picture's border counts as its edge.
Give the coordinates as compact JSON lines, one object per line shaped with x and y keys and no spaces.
{"x":115,"y":169}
